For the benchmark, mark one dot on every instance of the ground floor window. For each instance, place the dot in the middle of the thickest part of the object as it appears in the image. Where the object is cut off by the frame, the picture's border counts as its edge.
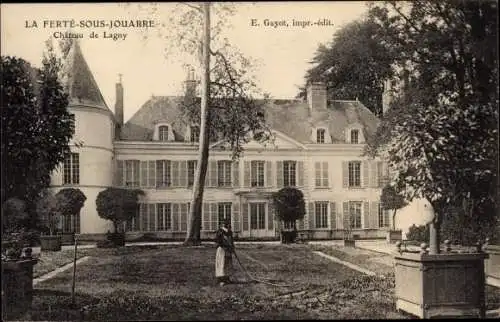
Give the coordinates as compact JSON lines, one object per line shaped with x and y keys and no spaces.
{"x":224,"y":211}
{"x":355,"y":213}
{"x":70,"y":224}
{"x":257,"y":216}
{"x":321,"y":214}
{"x":383,"y":217}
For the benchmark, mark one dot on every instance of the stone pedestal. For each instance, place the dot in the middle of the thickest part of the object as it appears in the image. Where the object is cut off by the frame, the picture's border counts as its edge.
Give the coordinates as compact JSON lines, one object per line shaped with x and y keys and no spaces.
{"x":349,"y":243}
{"x":17,"y":288}
{"x":50,"y":243}
{"x":441,"y":285}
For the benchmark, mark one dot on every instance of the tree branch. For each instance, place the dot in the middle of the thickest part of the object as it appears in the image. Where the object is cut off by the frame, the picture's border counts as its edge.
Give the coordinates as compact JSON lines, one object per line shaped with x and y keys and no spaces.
{"x":193,"y":7}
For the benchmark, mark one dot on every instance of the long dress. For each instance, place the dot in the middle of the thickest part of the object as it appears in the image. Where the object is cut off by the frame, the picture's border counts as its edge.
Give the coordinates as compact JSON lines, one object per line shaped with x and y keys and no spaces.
{"x":223,"y":255}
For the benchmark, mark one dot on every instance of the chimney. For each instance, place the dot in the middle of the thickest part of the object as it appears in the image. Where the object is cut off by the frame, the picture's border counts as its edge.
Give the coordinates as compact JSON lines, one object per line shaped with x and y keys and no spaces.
{"x":190,"y":82}
{"x":316,"y":96}
{"x":386,"y":96}
{"x":119,"y":105}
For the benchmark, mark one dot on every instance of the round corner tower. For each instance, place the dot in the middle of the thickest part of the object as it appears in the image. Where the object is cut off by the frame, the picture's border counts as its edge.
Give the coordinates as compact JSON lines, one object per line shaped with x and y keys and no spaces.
{"x":90,"y":166}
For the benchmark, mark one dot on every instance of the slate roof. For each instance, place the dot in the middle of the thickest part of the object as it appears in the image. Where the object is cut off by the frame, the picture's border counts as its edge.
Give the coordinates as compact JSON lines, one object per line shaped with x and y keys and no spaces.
{"x":79,"y":81}
{"x":290,"y":117}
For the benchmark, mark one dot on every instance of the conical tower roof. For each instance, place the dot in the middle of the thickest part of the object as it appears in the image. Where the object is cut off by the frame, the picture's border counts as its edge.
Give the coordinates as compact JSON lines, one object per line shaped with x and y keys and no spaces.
{"x":79,"y":81}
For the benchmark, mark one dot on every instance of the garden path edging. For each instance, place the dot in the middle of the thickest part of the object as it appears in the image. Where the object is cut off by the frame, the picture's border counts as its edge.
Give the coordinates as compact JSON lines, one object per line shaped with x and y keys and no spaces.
{"x":350,"y":265}
{"x":58,"y":270}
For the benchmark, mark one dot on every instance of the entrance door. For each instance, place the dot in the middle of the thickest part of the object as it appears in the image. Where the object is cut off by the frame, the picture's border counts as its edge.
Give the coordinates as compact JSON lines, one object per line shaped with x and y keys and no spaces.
{"x":258,"y":220}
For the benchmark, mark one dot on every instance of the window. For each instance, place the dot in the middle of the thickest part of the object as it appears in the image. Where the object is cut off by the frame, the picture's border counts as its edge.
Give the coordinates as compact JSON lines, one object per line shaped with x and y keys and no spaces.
{"x":289,"y":170}
{"x":71,"y":224}
{"x":257,"y":216}
{"x":320,"y":136}
{"x":164,"y":216}
{"x":355,"y":214}
{"x":133,"y":224}
{"x":163,"y":176}
{"x":71,"y":169}
{"x":321,"y":214}
{"x":163,"y":133}
{"x":224,"y":173}
{"x":383,"y":217}
{"x":195,"y":134}
{"x":132,"y":173}
{"x":191,"y":171}
{"x":257,"y":173}
{"x":321,"y":174}
{"x":354,"y":136}
{"x":224,"y":211}
{"x":355,"y":174}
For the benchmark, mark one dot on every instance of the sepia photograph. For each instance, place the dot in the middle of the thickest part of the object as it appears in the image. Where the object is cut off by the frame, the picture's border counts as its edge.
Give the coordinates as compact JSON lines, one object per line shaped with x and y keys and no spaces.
{"x":328,"y":160}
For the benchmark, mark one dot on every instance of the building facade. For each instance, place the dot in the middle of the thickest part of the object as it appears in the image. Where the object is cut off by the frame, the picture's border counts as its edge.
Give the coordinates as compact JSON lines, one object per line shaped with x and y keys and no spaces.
{"x":317,"y":147}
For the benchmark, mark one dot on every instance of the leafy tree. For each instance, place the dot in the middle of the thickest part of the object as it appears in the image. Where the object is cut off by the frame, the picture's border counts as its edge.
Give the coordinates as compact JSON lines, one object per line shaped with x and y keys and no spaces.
{"x":14,"y":215}
{"x":36,"y":126}
{"x":441,"y":135}
{"x":118,"y":205}
{"x":289,"y":204}
{"x":70,"y":201}
{"x":354,"y":65}
{"x":46,"y":209}
{"x":391,"y":200}
{"x":228,"y":112}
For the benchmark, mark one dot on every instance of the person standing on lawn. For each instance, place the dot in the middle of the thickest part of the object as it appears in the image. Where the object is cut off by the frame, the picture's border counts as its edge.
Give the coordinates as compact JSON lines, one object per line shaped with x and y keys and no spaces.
{"x":224,"y":253}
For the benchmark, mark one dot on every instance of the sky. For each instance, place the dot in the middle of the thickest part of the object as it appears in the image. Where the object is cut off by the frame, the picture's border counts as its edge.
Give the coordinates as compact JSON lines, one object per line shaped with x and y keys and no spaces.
{"x":283,"y":53}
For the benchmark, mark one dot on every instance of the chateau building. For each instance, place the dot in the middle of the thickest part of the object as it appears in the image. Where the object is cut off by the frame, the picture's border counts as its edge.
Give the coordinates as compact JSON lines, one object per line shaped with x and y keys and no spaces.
{"x":317,"y":147}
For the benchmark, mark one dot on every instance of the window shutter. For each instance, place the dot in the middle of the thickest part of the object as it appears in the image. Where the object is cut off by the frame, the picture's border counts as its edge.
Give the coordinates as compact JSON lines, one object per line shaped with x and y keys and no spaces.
{"x":137,"y":176}
{"x":373,"y":174}
{"x":236,"y":174}
{"x":214,"y":216}
{"x":345,"y":174}
{"x":119,"y":173}
{"x":333,"y":215}
{"x":151,"y":174}
{"x":300,"y":173}
{"x":184,"y":207}
{"x":142,"y":214}
{"x":236,"y":217}
{"x":366,"y":182}
{"x":366,"y":215}
{"x":183,"y":173}
{"x":317,"y":174}
{"x":270,"y":217}
{"x":144,"y":173}
{"x":246,"y":173}
{"x":244,"y":213}
{"x":312,"y":221}
{"x":175,"y":217}
{"x":279,"y":174}
{"x":269,"y":174}
{"x":346,"y":222}
{"x":213,"y":173}
{"x":151,"y":217}
{"x":374,"y":215}
{"x":206,"y":216}
{"x":175,"y":173}
{"x":325,"y":174}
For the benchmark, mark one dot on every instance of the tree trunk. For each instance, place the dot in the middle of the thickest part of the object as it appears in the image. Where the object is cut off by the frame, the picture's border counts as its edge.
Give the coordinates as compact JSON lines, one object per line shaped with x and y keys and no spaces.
{"x":394,"y":219}
{"x":434,"y":235}
{"x":194,"y":227}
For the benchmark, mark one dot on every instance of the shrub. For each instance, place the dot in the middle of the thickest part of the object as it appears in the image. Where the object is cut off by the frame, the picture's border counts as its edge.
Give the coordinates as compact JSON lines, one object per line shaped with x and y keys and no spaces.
{"x":289,"y":204}
{"x":418,"y":233}
{"x":118,"y":205}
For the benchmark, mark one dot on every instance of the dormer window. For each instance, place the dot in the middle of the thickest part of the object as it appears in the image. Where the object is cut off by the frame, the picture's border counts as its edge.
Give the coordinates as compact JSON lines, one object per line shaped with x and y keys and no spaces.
{"x":355,"y":136}
{"x":163,"y":133}
{"x":320,"y":136}
{"x":195,"y":134}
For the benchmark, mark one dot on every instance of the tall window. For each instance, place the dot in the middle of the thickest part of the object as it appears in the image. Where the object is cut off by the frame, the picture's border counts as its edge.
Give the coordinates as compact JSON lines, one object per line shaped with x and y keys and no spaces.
{"x":71,"y":224}
{"x":224,"y":173}
{"x":224,"y":211}
{"x":191,"y":164}
{"x":355,"y":174}
{"x":320,"y":136}
{"x":257,"y":216}
{"x":355,"y":213}
{"x":289,"y":173}
{"x":321,"y":214}
{"x":321,"y":174}
{"x":71,"y":169}
{"x":257,"y":173}
{"x":163,"y":133}
{"x":383,"y":217}
{"x":164,"y":218}
{"x":195,"y":134}
{"x":163,"y":175}
{"x":354,"y":136}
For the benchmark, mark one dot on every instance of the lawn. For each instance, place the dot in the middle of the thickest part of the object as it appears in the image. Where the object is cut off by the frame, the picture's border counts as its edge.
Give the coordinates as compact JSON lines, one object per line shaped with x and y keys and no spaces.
{"x":178,"y":283}
{"x":49,"y":261}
